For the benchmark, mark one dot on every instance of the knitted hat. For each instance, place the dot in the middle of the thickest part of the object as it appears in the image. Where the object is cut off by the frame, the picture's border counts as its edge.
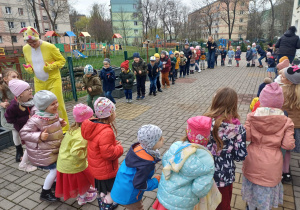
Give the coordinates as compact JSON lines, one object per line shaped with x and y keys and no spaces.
{"x":181,"y":53}
{"x":125,"y":65}
{"x":104,"y":107}
{"x":271,"y":96}
{"x":192,"y":48}
{"x":88,"y":69}
{"x":292,"y":74}
{"x":17,"y":87}
{"x":152,"y":58}
{"x":197,"y":47}
{"x":283,"y":58}
{"x":43,"y":99}
{"x":106,"y":60}
{"x":269,"y":54}
{"x":253,"y":44}
{"x":136,"y":55}
{"x":30,"y":33}
{"x":148,"y":136}
{"x":176,"y":52}
{"x":81,"y":112}
{"x":170,"y":53}
{"x":156,"y":55}
{"x":187,"y":43}
{"x":283,"y":64}
{"x":248,"y":46}
{"x":163,"y":52}
{"x":198,"y":129}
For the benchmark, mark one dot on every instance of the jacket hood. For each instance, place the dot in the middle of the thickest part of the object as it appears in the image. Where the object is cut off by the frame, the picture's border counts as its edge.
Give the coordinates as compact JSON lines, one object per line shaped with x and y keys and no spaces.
{"x":134,"y":161}
{"x":289,"y":33}
{"x":91,"y":128}
{"x":95,"y":73}
{"x":258,"y":47}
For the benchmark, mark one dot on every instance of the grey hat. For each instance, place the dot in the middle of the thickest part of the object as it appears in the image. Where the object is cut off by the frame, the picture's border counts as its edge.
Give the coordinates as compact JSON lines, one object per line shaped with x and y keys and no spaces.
{"x":106,"y":60}
{"x":43,"y":99}
{"x":164,"y":52}
{"x":292,"y":74}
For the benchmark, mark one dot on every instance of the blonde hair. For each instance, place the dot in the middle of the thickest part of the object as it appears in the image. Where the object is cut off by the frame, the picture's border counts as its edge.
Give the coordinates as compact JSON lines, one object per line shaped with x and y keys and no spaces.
{"x":292,"y":96}
{"x":3,"y":88}
{"x":107,"y":121}
{"x":74,"y":127}
{"x":223,"y":108}
{"x":185,"y":138}
{"x":212,"y":39}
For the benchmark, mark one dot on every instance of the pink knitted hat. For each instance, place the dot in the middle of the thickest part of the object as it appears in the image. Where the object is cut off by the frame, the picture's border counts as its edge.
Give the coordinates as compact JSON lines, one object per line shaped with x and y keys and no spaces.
{"x":17,"y":87}
{"x":269,"y":53}
{"x":81,"y":112}
{"x":283,"y":64}
{"x":104,"y":107}
{"x":198,"y":129}
{"x":271,"y":96}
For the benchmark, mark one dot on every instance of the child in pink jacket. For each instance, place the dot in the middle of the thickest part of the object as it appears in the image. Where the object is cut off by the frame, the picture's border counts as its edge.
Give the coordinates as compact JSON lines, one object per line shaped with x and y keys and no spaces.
{"x":268,"y":130}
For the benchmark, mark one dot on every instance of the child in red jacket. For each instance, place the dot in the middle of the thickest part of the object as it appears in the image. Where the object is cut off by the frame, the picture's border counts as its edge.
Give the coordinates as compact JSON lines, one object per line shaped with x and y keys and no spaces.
{"x":103,"y":149}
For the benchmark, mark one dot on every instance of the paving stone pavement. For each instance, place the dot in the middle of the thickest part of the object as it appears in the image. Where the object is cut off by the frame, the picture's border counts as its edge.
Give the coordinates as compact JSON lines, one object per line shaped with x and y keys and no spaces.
{"x":169,"y":110}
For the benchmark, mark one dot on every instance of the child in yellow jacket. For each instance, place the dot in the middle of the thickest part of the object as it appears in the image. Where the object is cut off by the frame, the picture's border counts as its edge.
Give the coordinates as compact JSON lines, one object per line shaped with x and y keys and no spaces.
{"x":177,"y":64}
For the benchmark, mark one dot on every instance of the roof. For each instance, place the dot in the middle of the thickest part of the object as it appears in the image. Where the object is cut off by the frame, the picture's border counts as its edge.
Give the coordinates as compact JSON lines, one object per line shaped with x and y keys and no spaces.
{"x":84,"y":34}
{"x":69,"y":33}
{"x":118,"y":36}
{"x":51,"y":33}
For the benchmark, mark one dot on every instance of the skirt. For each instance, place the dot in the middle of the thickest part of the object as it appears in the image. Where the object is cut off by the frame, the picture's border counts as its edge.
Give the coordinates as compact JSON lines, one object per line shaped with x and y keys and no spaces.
{"x":158,"y":206}
{"x":237,"y":59}
{"x":262,"y":197}
{"x":72,"y":185}
{"x":297,"y":140}
{"x":271,"y":69}
{"x":104,"y":186}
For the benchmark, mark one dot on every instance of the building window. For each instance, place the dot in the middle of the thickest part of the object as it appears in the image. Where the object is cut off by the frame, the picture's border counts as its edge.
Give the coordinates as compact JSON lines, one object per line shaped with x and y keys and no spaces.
{"x":53,"y":14}
{"x":241,"y":12}
{"x":55,"y":26}
{"x":14,"y":39}
{"x":240,"y":36}
{"x":136,"y":31}
{"x":11,"y":25}
{"x":8,"y":10}
{"x":20,"y":11}
{"x":135,"y":23}
{"x":241,"y":20}
{"x":134,"y":6}
{"x":52,"y":2}
{"x":44,"y":17}
{"x":135,"y":15}
{"x":23,"y":24}
{"x":240,"y":28}
{"x":242,"y":3}
{"x":1,"y":39}
{"x":46,"y":30}
{"x":34,"y":25}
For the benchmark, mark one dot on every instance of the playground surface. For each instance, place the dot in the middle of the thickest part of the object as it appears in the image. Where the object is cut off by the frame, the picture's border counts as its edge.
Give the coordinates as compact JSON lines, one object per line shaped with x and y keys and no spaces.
{"x":169,"y":110}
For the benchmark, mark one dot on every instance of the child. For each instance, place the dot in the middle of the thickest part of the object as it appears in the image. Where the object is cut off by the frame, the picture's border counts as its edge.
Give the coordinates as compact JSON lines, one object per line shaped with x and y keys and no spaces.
{"x":182,"y":64}
{"x":159,"y":63}
{"x":165,"y":69}
{"x":262,"y":54}
{"x":269,"y":49}
{"x":217,"y":53}
{"x":152,"y":73}
{"x":202,"y":60}
{"x":91,"y":83}
{"x":17,"y":113}
{"x":73,"y":174}
{"x":108,"y":78}
{"x":249,"y":55}
{"x":193,"y":63}
{"x":290,"y":77}
{"x":135,"y":174}
{"x":103,"y":149}
{"x":284,"y":63}
{"x":193,"y":174}
{"x":172,"y":71}
{"x":230,"y":56}
{"x":139,"y":68}
{"x":197,"y":58}
{"x":271,"y":64}
{"x":237,"y":56}
{"x":255,"y":102}
{"x":254,"y":54}
{"x":227,"y":141}
{"x":223,"y":56}
{"x":126,"y":80}
{"x":262,"y":187}
{"x":43,"y":135}
{"x":177,"y":64}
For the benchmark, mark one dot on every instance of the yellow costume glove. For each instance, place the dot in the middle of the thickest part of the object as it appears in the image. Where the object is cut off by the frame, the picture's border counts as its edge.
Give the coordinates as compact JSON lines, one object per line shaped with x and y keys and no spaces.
{"x":28,"y":68}
{"x":47,"y":67}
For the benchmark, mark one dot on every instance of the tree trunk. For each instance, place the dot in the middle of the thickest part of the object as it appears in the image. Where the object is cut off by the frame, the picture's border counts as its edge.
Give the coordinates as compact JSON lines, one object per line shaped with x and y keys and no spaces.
{"x":36,"y":20}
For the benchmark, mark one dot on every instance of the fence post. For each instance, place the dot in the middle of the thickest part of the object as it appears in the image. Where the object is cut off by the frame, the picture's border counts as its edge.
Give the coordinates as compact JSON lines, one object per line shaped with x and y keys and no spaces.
{"x":72,"y":78}
{"x":125,"y":55}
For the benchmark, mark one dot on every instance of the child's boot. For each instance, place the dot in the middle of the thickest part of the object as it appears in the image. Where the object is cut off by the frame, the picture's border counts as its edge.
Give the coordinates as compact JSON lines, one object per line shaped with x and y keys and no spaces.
{"x":253,"y":65}
{"x":237,"y":65}
{"x":47,"y":195}
{"x":19,"y":153}
{"x":248,"y":64}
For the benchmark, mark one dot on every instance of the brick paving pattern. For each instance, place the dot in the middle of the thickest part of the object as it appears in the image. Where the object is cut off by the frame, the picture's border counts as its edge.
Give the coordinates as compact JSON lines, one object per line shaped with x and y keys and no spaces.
{"x":169,"y":110}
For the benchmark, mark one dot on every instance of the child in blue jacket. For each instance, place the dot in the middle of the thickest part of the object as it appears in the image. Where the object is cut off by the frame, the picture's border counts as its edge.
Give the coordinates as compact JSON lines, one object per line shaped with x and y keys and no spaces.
{"x":262,"y":54}
{"x":230,"y":55}
{"x":135,"y":174}
{"x":107,"y":75}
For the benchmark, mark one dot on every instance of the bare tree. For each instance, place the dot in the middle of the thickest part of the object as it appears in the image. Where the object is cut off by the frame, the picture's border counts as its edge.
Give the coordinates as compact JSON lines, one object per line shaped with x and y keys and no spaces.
{"x":32,"y":8}
{"x":230,"y":8}
{"x":144,"y":13}
{"x":207,"y":14}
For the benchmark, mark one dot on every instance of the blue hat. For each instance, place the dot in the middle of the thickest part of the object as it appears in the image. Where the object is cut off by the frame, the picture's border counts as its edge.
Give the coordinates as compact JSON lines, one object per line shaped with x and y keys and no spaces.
{"x":187,"y":43}
{"x":170,"y":52}
{"x":136,"y":55}
{"x":88,"y":69}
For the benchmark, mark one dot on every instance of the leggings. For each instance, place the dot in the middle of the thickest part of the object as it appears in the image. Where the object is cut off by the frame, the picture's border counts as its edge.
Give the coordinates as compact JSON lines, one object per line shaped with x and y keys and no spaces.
{"x":16,"y":137}
{"x":50,"y":178}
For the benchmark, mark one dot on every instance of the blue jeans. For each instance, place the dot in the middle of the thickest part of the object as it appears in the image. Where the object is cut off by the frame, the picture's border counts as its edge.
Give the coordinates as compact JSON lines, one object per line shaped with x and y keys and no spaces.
{"x":259,"y":60}
{"x":187,"y":67}
{"x":211,"y":59}
{"x":182,"y":71}
{"x":153,"y":84}
{"x":128,"y":93}
{"x":197,"y":61}
{"x":109,"y":96}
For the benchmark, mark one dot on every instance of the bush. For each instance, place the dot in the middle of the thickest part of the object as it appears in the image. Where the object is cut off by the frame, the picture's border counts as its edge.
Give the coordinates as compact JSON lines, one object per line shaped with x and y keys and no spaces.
{"x":262,"y":45}
{"x":243,"y":47}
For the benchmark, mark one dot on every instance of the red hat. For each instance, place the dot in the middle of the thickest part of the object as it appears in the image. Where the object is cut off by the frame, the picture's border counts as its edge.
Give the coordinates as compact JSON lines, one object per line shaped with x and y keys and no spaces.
{"x":198,"y":129}
{"x":125,"y":65}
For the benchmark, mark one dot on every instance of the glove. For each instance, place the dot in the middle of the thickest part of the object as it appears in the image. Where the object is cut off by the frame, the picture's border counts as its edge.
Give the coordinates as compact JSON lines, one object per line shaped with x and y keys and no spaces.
{"x":48,"y":67}
{"x":28,"y":68}
{"x":158,"y":178}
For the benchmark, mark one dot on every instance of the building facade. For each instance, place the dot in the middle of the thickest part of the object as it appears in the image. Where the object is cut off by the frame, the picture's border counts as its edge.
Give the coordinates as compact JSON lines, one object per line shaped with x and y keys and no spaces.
{"x":214,"y":15}
{"x":17,"y":14}
{"x":296,"y":16}
{"x":125,"y":20}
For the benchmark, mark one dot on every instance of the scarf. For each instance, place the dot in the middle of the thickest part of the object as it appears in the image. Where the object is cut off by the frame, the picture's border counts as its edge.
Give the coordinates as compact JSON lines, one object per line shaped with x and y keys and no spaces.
{"x":29,"y":103}
{"x":46,"y":115}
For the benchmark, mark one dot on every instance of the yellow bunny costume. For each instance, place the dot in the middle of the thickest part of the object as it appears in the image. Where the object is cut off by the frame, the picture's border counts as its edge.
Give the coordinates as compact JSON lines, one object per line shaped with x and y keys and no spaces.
{"x":45,"y":62}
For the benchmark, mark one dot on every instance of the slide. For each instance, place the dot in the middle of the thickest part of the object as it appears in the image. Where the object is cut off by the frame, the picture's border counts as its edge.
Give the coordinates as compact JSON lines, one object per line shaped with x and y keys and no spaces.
{"x":79,"y":54}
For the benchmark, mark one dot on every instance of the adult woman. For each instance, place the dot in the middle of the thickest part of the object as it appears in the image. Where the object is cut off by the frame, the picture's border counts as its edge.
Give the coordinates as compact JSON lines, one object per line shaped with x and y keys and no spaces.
{"x":211,"y":46}
{"x":44,"y":60}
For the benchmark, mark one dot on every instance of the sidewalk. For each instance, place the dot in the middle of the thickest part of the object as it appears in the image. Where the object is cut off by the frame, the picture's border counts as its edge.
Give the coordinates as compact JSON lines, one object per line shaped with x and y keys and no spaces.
{"x":169,"y":110}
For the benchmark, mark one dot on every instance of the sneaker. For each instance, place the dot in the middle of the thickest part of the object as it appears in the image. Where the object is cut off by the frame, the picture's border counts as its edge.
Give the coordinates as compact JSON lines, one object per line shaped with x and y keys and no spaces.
{"x":150,"y":93}
{"x":127,"y":100}
{"x":154,"y":93}
{"x":90,"y":197}
{"x":159,"y":90}
{"x":142,"y":97}
{"x":287,"y":177}
{"x":26,"y":167}
{"x":199,"y":71}
{"x":130,"y":101}
{"x":105,"y":206}
{"x":92,"y":190}
{"x":138,"y":97}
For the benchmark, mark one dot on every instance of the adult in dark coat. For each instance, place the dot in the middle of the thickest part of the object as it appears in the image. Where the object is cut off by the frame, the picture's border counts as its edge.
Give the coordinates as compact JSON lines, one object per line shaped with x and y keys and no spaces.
{"x":188,"y":54}
{"x":288,"y":44}
{"x":211,"y":46}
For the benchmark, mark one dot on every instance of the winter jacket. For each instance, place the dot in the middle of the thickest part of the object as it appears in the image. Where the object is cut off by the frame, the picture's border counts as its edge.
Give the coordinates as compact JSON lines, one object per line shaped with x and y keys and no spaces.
{"x":187,"y":53}
{"x":217,"y":52}
{"x":140,"y":66}
{"x":103,"y":150}
{"x":223,"y":54}
{"x":198,"y":54}
{"x":177,"y":62}
{"x":249,"y":55}
{"x":230,"y":53}
{"x":167,"y":62}
{"x":234,"y":149}
{"x":127,"y":76}
{"x":160,"y":65}
{"x":182,"y":61}
{"x":3,"y":121}
{"x":72,"y":157}
{"x":42,"y":153}
{"x":268,"y":130}
{"x":260,"y":88}
{"x":260,"y":51}
{"x":238,"y":54}
{"x":203,"y":56}
{"x":134,"y":176}
{"x":14,"y":115}
{"x":194,"y":180}
{"x":93,"y":82}
{"x":152,"y":70}
{"x":254,"y":52}
{"x":271,"y":62}
{"x":108,"y":79}
{"x":193,"y":59}
{"x":210,"y":45}
{"x":288,"y":43}
{"x":173,"y":63}
{"x":294,"y":113}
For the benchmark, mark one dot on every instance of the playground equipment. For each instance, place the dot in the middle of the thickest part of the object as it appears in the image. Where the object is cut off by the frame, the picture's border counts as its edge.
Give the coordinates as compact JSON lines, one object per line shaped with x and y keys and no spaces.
{"x":85,"y":35}
{"x":78,"y":54}
{"x":51,"y":35}
{"x":68,"y":48}
{"x":2,"y":52}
